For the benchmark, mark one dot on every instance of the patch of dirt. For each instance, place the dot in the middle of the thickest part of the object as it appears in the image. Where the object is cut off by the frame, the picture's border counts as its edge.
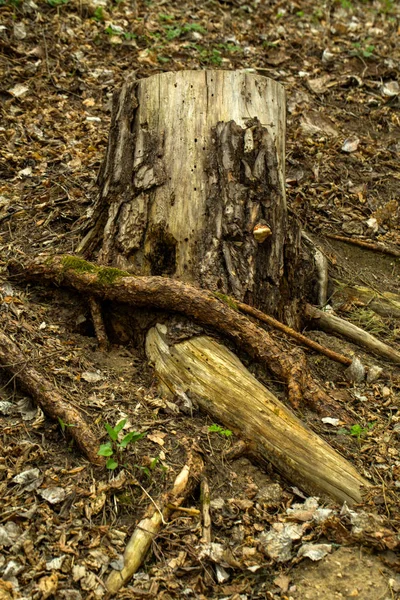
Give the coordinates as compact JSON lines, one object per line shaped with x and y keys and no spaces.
{"x":346,"y":573}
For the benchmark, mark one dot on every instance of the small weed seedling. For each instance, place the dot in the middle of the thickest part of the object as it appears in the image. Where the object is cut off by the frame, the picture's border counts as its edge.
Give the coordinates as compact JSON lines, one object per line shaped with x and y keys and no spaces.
{"x":218,"y":429}
{"x":113,"y":448}
{"x":64,"y":425}
{"x":357,"y":431}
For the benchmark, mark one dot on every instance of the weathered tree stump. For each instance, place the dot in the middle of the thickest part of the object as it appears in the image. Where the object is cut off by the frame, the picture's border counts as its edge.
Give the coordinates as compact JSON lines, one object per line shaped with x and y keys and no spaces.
{"x":193,"y":188}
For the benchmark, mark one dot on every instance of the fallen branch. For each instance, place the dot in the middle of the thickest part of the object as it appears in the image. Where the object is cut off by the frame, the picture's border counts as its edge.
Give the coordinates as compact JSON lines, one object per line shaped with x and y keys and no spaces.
{"x":169,"y":294}
{"x":302,"y":339}
{"x":385,"y":304}
{"x":333,"y":324}
{"x":48,"y":398}
{"x":375,"y":247}
{"x":146,"y":530}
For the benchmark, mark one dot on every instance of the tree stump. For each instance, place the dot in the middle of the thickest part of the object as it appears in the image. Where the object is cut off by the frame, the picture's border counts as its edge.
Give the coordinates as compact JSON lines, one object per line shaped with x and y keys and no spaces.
{"x":193,"y":188}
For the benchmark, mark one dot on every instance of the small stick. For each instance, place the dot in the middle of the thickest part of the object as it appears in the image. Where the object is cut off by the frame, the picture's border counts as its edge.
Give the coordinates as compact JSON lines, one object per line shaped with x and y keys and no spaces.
{"x":146,"y":530}
{"x":205,"y":508}
{"x":376,"y":247}
{"x":254,"y":312}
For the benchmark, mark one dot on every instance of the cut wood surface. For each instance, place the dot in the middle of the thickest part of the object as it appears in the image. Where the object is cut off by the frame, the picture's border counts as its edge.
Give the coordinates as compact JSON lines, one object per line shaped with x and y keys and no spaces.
{"x":226,"y":390}
{"x":334,"y":324}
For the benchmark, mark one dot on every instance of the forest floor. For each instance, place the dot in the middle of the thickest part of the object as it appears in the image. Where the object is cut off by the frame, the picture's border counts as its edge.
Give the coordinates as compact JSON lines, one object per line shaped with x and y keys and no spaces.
{"x":63,"y":522}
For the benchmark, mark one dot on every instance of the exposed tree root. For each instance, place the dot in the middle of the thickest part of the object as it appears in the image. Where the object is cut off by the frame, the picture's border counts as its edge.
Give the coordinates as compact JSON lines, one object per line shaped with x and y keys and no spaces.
{"x":203,"y":306}
{"x":48,"y":398}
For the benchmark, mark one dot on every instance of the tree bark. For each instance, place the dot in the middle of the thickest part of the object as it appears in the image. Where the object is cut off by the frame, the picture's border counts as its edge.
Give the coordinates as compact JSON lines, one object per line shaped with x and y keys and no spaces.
{"x":193,"y":187}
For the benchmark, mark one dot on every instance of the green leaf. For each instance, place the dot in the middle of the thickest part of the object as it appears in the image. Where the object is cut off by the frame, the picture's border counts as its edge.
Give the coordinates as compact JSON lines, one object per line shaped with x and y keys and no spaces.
{"x":131,"y":437}
{"x":106,"y":449}
{"x":111,"y":432}
{"x":154,"y":463}
{"x":214,"y":427}
{"x":111,"y":464}
{"x":120,"y":425}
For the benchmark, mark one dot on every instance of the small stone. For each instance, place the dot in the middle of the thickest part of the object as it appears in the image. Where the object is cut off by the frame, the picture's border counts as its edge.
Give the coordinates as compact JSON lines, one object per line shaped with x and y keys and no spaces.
{"x":386,"y":392}
{"x":355,"y":373}
{"x":374,"y":373}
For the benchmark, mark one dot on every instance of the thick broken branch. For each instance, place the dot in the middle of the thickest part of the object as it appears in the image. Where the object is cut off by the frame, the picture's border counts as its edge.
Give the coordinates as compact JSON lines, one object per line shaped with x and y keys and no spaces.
{"x":201,"y":305}
{"x":222,"y":386}
{"x":48,"y":398}
{"x":145,"y":531}
{"x":333,"y":324}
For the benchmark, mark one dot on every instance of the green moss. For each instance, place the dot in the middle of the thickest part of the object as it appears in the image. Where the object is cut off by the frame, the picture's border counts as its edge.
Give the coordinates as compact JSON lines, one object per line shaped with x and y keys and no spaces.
{"x":108,"y":275}
{"x":226,"y":300}
{"x":105,"y":275}
{"x":78,"y":264}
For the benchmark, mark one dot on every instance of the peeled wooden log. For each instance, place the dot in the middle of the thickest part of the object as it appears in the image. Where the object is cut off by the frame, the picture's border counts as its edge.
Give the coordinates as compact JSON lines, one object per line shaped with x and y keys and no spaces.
{"x":215,"y":378}
{"x":334,"y":324}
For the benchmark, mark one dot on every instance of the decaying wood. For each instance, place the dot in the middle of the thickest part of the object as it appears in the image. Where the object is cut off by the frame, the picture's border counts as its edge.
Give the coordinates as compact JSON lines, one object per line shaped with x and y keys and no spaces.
{"x":48,"y":398}
{"x":302,"y":339}
{"x":333,"y":324}
{"x":205,"y":509}
{"x":374,"y":246}
{"x":224,"y":388}
{"x":385,"y":304}
{"x":204,"y":307}
{"x":193,"y":187}
{"x":147,"y":529}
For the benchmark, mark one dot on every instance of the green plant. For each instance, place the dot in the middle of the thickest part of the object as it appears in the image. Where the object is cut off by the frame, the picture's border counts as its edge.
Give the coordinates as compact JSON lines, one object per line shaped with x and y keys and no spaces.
{"x":346,"y":4}
{"x":57,"y":2}
{"x":162,"y":59}
{"x":357,"y":431}
{"x":113,"y":448}
{"x":164,"y":17}
{"x":175,"y":31}
{"x":154,"y":464}
{"x":64,"y":425}
{"x":363,"y":50}
{"x":218,"y":429}
{"x":98,"y":14}
{"x":130,"y":36}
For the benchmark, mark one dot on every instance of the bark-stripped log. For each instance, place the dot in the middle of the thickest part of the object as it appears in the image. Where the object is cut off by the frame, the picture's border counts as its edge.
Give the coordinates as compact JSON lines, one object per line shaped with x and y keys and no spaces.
{"x":216,"y":379}
{"x":334,"y":324}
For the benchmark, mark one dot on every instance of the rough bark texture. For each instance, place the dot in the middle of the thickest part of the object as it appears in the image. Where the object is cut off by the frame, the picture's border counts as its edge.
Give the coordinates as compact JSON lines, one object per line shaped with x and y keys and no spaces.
{"x":207,"y":369}
{"x":192,"y":181}
{"x":203,"y":306}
